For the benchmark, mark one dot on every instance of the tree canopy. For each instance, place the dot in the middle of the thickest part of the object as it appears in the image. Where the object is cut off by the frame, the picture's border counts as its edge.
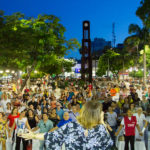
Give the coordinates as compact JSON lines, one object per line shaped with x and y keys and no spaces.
{"x":36,"y":42}
{"x":143,"y":12}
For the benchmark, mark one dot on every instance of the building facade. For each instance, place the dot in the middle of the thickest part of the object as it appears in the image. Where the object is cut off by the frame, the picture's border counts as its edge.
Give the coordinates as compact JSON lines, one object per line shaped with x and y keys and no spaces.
{"x":99,"y":44}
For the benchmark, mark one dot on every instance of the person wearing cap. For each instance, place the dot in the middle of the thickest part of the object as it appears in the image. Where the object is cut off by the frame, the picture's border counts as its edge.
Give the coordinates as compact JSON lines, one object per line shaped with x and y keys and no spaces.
{"x":59,"y":111}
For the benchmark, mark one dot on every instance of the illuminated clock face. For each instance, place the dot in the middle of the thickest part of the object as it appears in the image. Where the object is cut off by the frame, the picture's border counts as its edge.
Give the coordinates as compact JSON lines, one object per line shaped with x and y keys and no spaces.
{"x":86,"y":24}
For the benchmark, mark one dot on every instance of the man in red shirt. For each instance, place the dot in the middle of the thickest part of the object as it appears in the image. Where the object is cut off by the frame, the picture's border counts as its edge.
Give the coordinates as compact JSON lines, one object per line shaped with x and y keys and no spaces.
{"x":129,"y":122}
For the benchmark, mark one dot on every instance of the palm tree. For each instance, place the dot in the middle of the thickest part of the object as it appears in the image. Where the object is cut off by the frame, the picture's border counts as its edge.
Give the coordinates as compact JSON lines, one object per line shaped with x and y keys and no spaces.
{"x":137,"y":41}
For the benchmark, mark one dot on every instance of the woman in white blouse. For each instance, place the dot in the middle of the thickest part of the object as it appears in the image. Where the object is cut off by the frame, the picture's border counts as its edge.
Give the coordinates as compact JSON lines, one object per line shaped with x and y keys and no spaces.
{"x":142,"y":122}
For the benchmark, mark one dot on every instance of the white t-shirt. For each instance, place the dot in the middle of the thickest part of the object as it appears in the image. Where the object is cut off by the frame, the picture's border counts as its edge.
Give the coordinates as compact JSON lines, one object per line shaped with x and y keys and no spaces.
{"x":139,"y":92}
{"x":57,"y":93}
{"x":21,"y":108}
{"x":127,"y":85}
{"x":8,"y":111}
{"x":4,"y":104}
{"x":21,"y":124}
{"x":148,"y":119}
{"x":140,"y":119}
{"x":39,"y":112}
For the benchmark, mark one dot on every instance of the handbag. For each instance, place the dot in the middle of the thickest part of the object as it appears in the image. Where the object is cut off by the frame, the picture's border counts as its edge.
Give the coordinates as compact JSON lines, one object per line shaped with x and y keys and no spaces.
{"x":121,"y":138}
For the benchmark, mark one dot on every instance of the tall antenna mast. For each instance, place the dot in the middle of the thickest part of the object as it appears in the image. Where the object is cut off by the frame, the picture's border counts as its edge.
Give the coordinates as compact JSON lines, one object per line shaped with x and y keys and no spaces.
{"x":113,"y":35}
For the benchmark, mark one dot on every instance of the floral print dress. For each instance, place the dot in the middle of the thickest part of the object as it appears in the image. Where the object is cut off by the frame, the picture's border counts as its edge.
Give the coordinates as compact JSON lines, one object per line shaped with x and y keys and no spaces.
{"x":73,"y":135}
{"x":3,"y":135}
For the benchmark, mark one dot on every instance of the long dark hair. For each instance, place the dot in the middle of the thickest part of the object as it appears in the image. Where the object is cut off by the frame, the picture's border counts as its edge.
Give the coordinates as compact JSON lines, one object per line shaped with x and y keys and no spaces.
{"x":28,"y":113}
{"x":13,"y":110}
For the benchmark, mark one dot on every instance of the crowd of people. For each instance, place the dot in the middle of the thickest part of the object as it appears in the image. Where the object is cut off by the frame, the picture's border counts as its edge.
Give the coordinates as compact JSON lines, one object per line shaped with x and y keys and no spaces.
{"x":45,"y":107}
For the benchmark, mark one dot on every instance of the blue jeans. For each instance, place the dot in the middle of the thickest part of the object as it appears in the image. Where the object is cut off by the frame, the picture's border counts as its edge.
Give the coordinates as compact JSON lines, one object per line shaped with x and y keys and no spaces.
{"x":112,"y":134}
{"x":146,"y":137}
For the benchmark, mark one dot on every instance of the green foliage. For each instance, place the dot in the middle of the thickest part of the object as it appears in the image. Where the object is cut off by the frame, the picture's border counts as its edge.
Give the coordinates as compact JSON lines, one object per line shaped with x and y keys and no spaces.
{"x":143,"y":12}
{"x":35,"y":42}
{"x":34,"y":75}
{"x":147,"y":58}
{"x":137,"y":74}
{"x":110,"y":57}
{"x":139,"y":37}
{"x":117,"y":59}
{"x":26,"y":40}
{"x":81,"y":83}
{"x":136,"y":42}
{"x":57,"y":66}
{"x":102,"y":66}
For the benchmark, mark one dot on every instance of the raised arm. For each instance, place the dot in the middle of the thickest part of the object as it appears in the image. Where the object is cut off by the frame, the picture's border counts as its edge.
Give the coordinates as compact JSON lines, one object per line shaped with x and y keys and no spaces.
{"x":53,"y":129}
{"x":52,"y":139}
{"x":31,"y":135}
{"x":35,"y":129}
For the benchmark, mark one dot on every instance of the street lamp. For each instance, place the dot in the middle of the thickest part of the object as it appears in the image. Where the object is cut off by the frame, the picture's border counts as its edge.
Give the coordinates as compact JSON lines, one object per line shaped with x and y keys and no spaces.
{"x":7,"y":71}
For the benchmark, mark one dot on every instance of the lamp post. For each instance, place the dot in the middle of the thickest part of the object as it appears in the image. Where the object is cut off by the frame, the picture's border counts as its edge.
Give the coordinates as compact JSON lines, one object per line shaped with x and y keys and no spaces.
{"x":7,"y":71}
{"x":108,"y":68}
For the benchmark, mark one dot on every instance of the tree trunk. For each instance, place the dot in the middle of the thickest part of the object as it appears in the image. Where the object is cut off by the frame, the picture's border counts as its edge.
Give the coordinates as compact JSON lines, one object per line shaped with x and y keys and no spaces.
{"x":117,"y":76}
{"x":144,"y":65}
{"x":28,"y":76}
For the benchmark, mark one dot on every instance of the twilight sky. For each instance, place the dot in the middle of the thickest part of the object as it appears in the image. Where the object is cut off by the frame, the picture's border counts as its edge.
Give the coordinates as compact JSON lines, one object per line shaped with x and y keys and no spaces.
{"x":101,"y":14}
